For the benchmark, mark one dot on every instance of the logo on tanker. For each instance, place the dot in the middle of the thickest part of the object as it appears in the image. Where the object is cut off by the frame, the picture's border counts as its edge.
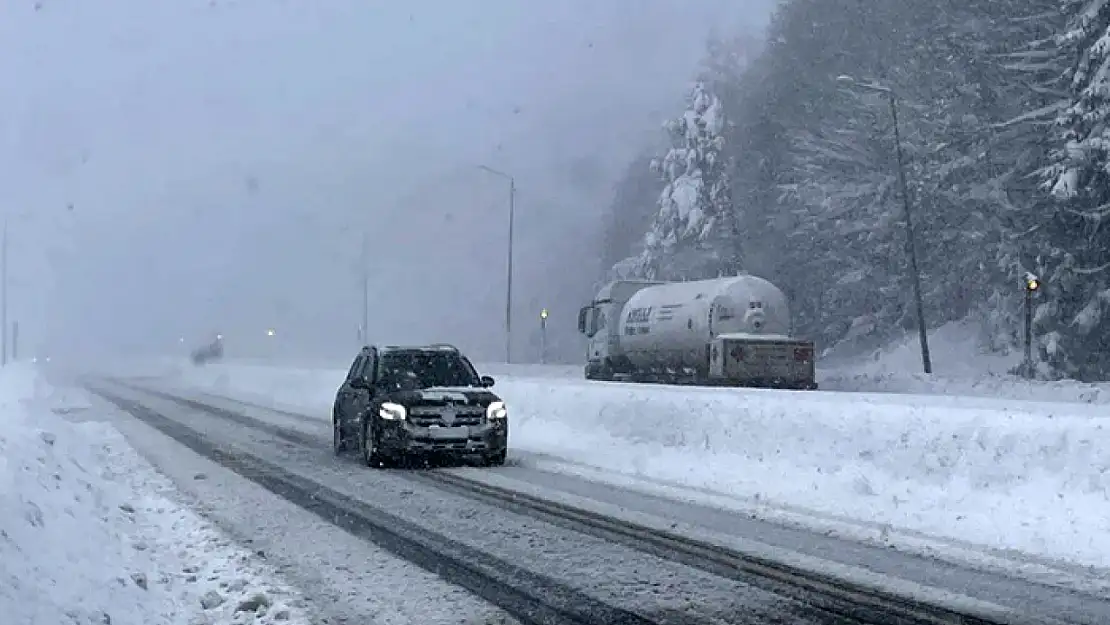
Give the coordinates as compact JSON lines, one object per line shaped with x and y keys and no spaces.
{"x":639,"y":315}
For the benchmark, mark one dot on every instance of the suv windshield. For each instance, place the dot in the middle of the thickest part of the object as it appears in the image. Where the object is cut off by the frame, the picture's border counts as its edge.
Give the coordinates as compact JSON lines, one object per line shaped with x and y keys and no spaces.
{"x":425,"y":369}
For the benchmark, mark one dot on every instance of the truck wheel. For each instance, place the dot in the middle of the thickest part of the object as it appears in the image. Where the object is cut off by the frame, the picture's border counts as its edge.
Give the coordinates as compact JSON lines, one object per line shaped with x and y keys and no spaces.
{"x":601,"y":373}
{"x":496,"y":459}
{"x":339,"y":442}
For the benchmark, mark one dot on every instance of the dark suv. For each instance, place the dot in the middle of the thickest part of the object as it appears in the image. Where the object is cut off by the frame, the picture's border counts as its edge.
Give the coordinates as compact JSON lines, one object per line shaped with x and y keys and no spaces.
{"x":403,"y":402}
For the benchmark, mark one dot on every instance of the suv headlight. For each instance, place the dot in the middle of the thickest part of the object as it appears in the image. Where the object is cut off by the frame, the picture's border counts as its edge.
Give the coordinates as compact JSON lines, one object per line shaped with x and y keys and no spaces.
{"x":392,"y":411}
{"x":497,"y":410}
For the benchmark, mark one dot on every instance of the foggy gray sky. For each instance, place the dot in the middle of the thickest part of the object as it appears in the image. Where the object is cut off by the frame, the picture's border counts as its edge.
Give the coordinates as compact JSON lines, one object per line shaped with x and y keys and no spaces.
{"x":223,"y":158}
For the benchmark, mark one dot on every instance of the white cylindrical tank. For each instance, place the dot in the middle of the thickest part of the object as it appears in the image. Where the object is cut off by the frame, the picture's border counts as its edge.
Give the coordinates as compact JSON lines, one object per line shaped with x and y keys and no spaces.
{"x":672,"y":324}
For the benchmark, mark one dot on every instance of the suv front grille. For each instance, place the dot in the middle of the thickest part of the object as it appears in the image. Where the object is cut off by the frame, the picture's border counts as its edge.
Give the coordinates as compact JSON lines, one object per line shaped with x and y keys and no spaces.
{"x":428,"y":416}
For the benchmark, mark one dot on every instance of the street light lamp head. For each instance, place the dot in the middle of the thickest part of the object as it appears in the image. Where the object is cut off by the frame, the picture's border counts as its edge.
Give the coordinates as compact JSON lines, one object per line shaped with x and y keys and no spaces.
{"x":543,"y":314}
{"x":495,"y":172}
{"x":1032,"y":282}
{"x":849,"y":81}
{"x":270,"y":332}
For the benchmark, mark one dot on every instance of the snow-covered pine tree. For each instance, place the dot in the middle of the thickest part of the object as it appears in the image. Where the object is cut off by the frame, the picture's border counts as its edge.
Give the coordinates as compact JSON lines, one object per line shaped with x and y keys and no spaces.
{"x":971,"y":176}
{"x":752,"y":145}
{"x":694,"y":233}
{"x":629,"y":215}
{"x":1075,"y":315}
{"x":994,"y":121}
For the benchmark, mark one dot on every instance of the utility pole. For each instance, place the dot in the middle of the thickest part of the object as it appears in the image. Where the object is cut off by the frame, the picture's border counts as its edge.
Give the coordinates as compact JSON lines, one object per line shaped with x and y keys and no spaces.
{"x":911,"y":246}
{"x":509,"y":264}
{"x":15,"y":341}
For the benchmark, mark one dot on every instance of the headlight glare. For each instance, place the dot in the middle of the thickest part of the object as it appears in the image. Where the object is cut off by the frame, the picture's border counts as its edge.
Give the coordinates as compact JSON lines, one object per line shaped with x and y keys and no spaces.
{"x":392,"y":411}
{"x":497,"y":410}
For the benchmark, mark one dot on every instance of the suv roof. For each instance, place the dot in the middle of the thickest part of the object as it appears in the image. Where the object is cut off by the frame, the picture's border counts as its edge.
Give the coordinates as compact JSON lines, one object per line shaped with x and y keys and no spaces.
{"x":436,"y":347}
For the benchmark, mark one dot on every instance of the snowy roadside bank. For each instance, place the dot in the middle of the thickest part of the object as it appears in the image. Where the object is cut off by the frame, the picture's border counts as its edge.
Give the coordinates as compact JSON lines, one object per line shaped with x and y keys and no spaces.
{"x":1005,"y":475}
{"x":1035,"y":481}
{"x":90,"y":533}
{"x":962,"y":366}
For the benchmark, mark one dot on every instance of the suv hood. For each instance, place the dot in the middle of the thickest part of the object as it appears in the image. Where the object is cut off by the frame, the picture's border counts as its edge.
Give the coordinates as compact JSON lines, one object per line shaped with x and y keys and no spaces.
{"x":441,"y":395}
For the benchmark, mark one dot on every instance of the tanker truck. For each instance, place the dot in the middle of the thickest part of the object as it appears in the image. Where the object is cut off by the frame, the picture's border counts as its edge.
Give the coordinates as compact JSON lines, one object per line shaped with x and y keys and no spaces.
{"x":725,"y":331}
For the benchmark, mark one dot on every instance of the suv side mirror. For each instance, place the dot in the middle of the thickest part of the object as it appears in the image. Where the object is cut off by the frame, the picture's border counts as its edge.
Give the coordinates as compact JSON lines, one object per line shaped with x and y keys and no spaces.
{"x":360,"y":383}
{"x":487,"y":381}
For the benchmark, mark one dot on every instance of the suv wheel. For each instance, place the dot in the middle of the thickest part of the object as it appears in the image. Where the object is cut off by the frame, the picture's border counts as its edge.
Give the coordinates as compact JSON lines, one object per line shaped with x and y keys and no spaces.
{"x":369,"y":447}
{"x":339,"y":442}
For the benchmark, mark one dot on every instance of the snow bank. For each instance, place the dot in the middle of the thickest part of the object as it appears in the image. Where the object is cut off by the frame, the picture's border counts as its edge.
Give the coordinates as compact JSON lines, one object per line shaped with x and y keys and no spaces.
{"x":1034,"y":478}
{"x":962,"y":365}
{"x":89,"y":532}
{"x":1010,"y":475}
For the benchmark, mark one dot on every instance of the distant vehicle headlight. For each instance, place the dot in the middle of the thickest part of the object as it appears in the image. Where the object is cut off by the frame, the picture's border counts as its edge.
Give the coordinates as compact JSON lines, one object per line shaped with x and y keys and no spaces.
{"x":392,"y":411}
{"x":497,"y":410}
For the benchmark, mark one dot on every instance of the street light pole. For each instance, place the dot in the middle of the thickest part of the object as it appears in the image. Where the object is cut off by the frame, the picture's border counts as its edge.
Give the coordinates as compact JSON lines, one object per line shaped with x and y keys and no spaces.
{"x":509,"y":263}
{"x":911,"y":237}
{"x":543,"y":336}
{"x":1032,"y":283}
{"x":364,"y":331}
{"x":911,"y":246}
{"x":4,"y":293}
{"x":271,"y":345}
{"x":6,"y":333}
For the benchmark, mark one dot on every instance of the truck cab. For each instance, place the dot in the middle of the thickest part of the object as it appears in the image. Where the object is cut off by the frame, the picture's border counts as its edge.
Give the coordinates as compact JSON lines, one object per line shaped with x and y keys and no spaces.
{"x":599,"y":321}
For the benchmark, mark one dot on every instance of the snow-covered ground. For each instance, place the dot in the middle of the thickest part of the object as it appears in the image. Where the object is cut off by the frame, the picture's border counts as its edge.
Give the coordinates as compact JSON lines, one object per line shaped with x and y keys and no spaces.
{"x":91,"y":534}
{"x":961,"y":366}
{"x":983,"y":462}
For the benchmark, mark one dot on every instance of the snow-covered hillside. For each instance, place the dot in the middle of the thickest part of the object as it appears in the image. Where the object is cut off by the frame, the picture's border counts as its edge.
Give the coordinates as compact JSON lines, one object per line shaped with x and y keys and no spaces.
{"x":90,"y":534}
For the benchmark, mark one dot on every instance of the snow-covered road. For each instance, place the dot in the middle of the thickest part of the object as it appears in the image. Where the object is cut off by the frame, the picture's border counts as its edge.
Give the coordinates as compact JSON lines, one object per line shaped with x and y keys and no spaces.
{"x":567,"y":569}
{"x":611,"y":566}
